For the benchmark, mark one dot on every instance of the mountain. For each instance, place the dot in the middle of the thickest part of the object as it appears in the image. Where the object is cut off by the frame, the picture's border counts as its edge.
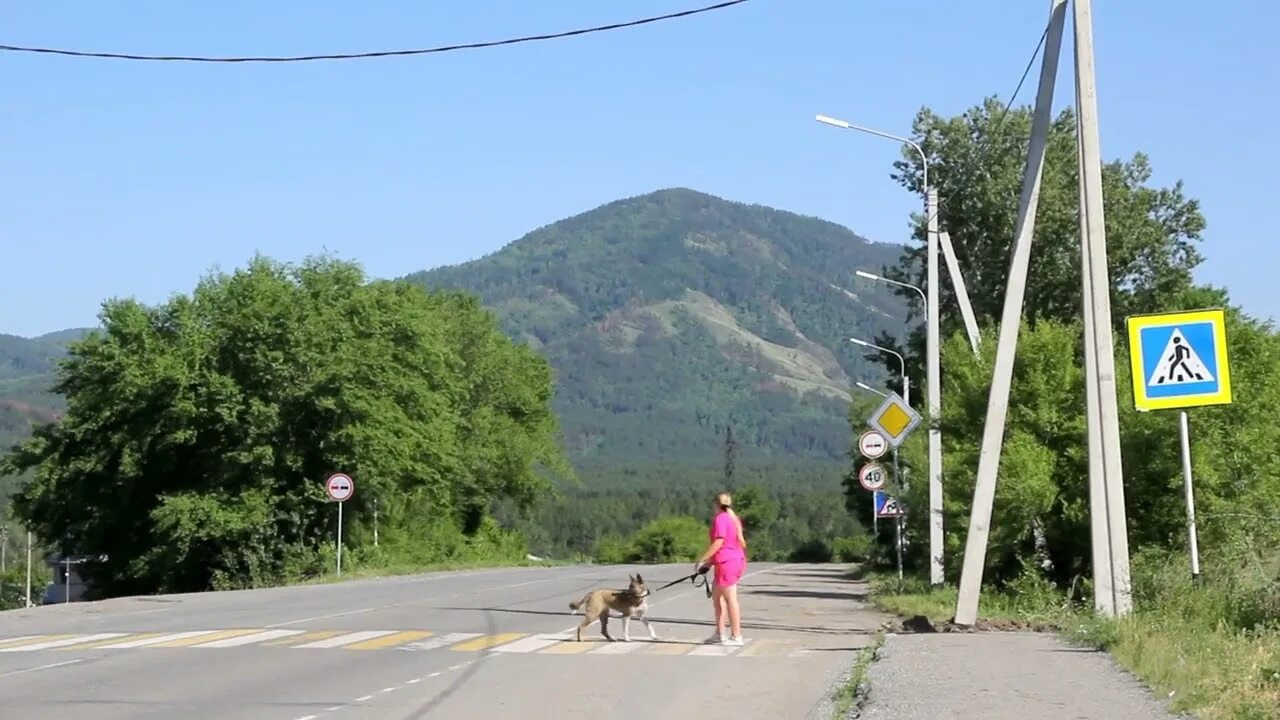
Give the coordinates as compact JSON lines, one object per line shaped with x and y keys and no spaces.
{"x":672,"y":315}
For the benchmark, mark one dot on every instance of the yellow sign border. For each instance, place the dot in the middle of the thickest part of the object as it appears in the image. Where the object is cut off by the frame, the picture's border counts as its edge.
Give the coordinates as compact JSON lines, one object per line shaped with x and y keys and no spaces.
{"x":893,"y":399}
{"x":1137,"y":323}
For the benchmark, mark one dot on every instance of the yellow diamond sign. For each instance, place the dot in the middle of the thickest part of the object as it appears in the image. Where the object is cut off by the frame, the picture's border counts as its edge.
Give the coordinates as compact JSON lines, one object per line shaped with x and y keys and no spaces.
{"x":894,"y":419}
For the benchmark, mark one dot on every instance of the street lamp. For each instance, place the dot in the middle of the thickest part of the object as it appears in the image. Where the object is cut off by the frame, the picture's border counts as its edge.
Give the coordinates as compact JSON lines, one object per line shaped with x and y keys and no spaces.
{"x":863,"y":386}
{"x":872,"y":276}
{"x":933,"y":359}
{"x":906,"y":384}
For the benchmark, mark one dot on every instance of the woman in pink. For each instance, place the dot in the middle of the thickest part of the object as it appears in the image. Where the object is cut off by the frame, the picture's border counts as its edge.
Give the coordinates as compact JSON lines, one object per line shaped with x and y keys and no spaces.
{"x":728,"y":552}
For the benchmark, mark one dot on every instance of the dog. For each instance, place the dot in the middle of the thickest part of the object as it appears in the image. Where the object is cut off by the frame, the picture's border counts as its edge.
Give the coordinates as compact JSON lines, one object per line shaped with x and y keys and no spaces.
{"x":632,"y":603}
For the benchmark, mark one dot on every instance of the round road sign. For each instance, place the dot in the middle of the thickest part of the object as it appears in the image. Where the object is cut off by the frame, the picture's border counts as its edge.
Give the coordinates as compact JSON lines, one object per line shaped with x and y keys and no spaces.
{"x":872,"y":445}
{"x":871,"y":476}
{"x":339,"y":487}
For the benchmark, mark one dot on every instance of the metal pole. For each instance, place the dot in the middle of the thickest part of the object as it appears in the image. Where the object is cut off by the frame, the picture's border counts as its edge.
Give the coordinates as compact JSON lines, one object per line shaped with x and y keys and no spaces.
{"x":1100,"y":536}
{"x":28,"y":568}
{"x":933,"y":362}
{"x":984,"y":491}
{"x":66,"y":581}
{"x":339,"y":538}
{"x":375,"y":522}
{"x":899,"y":489}
{"x":1109,"y":413}
{"x":1191,"y":499}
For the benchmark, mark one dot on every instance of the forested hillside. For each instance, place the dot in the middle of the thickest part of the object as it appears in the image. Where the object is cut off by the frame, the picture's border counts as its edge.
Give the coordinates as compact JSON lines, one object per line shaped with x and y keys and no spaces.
{"x":672,"y":315}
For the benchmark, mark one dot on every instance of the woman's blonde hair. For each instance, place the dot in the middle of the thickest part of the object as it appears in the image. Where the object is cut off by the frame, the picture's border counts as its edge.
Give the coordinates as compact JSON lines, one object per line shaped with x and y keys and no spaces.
{"x":724,"y":500}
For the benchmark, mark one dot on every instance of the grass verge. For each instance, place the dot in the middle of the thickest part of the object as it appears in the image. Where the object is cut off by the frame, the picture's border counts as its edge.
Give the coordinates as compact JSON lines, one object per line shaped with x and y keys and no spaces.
{"x":850,"y":694}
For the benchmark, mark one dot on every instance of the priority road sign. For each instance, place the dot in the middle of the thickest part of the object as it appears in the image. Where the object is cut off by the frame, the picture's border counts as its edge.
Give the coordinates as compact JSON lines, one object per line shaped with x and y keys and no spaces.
{"x":888,"y":506}
{"x":339,"y":487}
{"x":872,"y":445}
{"x":1179,"y":359}
{"x":871,"y":476}
{"x":894,"y":419}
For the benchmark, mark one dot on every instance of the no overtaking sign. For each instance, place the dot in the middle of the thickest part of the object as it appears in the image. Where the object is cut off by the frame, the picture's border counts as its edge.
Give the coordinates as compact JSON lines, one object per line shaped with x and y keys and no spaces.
{"x":339,"y":487}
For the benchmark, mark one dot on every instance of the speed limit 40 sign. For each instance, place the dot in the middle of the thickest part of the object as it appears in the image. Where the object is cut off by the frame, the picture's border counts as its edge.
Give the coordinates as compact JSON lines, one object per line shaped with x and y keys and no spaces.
{"x":871,"y":477}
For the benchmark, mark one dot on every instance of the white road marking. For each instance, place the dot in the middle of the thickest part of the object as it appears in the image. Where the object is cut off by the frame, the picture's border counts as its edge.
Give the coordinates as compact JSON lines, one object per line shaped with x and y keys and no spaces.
{"x":50,"y":666}
{"x":616,"y":648}
{"x":351,"y":637}
{"x":63,"y":643}
{"x":440,"y":641}
{"x":249,"y":639}
{"x":530,"y":644}
{"x":364,"y":698}
{"x":153,"y":640}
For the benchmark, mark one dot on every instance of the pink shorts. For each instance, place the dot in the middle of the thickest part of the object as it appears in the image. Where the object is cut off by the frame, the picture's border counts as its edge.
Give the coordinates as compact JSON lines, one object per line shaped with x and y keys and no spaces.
{"x":729,"y":572}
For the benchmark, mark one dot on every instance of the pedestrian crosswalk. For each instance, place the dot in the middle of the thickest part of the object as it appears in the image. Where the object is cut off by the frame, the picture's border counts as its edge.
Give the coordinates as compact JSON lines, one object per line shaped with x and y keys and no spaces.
{"x":561,"y":643}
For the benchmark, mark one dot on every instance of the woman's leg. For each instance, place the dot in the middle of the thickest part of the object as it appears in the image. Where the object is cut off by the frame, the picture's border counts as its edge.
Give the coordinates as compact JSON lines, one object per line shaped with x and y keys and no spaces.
{"x":717,"y":599}
{"x":735,"y":612}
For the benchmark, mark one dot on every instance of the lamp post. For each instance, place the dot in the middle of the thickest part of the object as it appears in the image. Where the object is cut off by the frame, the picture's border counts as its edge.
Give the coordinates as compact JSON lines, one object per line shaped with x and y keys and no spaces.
{"x":906,"y":384}
{"x":933,"y":361}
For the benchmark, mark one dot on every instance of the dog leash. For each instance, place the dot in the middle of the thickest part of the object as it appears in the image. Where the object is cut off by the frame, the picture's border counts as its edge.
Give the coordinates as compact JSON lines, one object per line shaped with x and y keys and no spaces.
{"x":701,"y":573}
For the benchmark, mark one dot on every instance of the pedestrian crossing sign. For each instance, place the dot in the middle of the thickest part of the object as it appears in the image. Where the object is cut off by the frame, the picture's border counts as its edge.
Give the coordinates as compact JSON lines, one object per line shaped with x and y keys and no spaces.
{"x":1179,"y":360}
{"x":888,"y":505}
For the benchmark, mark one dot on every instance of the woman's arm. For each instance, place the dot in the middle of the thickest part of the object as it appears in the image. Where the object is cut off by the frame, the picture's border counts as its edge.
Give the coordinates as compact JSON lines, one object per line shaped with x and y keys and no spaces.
{"x":711,"y":551}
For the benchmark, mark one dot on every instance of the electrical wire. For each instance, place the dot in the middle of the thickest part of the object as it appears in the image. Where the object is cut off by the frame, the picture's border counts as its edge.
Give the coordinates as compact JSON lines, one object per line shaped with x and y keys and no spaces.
{"x":375,"y":54}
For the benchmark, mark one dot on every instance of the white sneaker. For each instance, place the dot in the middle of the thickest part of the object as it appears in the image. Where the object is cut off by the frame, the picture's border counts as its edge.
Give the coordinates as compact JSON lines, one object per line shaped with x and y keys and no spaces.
{"x":714,"y":639}
{"x":733,"y":640}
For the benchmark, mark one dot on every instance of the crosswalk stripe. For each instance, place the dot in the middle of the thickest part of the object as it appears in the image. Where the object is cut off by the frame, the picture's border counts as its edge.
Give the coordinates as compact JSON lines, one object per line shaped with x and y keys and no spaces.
{"x":570,"y":647}
{"x":307,"y":637}
{"x":10,"y":642}
{"x":669,"y":647}
{"x":191,"y":638}
{"x":440,"y":641}
{"x":249,"y":639}
{"x":146,"y":642}
{"x":618,"y":648}
{"x":715,"y":650}
{"x":487,"y":641}
{"x":532,"y":643}
{"x":388,"y":641}
{"x":51,"y":644}
{"x":755,"y":648}
{"x":347,"y":639}
{"x":132,"y":637}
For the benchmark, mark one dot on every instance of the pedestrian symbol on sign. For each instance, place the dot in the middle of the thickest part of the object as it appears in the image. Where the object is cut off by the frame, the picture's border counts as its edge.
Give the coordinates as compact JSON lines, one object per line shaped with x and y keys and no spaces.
{"x":1180,"y":363}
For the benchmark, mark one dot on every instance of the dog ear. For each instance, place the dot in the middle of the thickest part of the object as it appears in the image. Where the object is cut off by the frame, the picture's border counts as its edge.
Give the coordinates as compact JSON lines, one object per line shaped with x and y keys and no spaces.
{"x":638,"y":580}
{"x":631,"y":577}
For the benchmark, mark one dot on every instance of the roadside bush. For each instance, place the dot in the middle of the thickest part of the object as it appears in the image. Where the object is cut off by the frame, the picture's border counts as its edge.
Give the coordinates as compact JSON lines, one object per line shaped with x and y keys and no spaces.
{"x":815,"y":550}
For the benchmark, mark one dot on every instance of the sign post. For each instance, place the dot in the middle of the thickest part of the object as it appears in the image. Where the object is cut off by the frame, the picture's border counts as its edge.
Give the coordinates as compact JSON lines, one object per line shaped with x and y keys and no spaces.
{"x":872,"y":445}
{"x":895,"y":420}
{"x":340,"y":488}
{"x":1178,"y":361}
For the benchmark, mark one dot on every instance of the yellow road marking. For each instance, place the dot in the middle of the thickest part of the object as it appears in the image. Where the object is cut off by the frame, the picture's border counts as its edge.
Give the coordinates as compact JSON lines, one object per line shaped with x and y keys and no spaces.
{"x":485,"y":642}
{"x":387,"y":641}
{"x":31,"y":640}
{"x":758,"y":647}
{"x":198,"y":639}
{"x":112,"y":641}
{"x":571,"y":647}
{"x":670,"y":648}
{"x":306,"y":638}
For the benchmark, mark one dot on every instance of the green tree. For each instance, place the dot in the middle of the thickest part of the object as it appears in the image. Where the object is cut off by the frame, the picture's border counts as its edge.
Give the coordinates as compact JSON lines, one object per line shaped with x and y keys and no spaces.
{"x":976,"y":161}
{"x":198,"y":432}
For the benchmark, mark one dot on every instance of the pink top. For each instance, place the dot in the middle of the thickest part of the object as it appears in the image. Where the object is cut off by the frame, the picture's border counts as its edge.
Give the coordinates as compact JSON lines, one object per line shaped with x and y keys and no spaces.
{"x":726,"y":528}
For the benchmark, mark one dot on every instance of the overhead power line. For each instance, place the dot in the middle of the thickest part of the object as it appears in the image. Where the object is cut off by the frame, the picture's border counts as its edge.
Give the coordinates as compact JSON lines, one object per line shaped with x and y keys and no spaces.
{"x":375,"y":54}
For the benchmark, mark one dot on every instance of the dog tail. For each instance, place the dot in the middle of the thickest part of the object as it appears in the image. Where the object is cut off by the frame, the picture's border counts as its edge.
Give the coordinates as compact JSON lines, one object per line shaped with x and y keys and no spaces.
{"x":575,"y":605}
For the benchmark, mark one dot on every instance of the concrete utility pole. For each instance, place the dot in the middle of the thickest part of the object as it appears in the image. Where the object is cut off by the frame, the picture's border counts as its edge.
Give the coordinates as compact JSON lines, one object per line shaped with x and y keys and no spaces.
{"x":1108,"y":417}
{"x":28,"y":568}
{"x":1100,"y":536}
{"x":975,"y":551}
{"x":933,"y":360}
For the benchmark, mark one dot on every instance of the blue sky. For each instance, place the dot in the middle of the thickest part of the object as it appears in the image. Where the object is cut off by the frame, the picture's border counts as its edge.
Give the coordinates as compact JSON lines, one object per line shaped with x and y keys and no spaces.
{"x":134,"y":179}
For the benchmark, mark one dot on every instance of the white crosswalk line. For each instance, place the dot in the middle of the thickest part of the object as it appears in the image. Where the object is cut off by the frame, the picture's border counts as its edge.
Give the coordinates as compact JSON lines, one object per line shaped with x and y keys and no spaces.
{"x":617,"y":648}
{"x":717,"y":650}
{"x":351,"y":637}
{"x":153,"y":640}
{"x":440,"y":641}
{"x":249,"y":639}
{"x":530,"y":644}
{"x":63,"y":642}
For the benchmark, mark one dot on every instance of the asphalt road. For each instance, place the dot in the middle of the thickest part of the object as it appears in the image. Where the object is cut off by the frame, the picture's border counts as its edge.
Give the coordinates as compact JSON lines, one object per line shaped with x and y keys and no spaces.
{"x":480,"y":644}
